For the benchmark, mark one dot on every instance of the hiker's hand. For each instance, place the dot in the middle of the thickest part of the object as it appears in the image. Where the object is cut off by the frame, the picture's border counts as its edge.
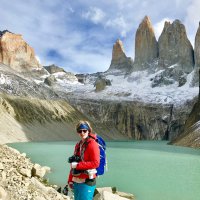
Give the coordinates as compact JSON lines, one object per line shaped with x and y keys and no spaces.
{"x":73,"y":165}
{"x":71,"y":185}
{"x":91,"y":173}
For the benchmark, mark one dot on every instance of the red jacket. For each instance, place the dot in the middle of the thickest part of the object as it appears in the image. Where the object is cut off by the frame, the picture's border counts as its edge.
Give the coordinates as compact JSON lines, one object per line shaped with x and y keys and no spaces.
{"x":90,"y":157}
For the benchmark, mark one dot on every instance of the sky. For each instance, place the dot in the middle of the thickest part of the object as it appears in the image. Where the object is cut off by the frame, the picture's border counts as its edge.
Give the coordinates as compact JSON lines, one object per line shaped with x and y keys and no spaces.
{"x":79,"y":35}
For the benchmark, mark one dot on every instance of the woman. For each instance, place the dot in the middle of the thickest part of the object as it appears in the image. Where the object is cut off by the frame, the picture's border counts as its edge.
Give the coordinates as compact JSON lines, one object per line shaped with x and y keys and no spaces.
{"x":86,"y":159}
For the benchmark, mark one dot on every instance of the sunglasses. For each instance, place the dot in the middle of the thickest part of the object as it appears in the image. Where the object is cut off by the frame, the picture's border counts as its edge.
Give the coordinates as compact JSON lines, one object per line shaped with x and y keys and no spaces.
{"x":82,"y":130}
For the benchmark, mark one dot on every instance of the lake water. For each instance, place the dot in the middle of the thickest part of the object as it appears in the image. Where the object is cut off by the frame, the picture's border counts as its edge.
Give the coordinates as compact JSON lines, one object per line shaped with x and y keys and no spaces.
{"x":151,"y":170}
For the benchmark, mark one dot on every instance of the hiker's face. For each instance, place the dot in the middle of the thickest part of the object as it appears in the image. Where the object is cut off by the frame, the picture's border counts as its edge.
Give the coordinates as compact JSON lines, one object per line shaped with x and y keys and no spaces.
{"x":83,"y":134}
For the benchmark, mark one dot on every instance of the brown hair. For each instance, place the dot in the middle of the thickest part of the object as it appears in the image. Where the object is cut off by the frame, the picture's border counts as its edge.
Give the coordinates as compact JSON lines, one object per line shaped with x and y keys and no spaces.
{"x":84,"y":122}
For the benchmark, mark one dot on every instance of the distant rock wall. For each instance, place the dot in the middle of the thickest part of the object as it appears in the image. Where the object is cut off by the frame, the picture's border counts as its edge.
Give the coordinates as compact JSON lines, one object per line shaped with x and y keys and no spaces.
{"x":16,"y":53}
{"x":135,"y":119}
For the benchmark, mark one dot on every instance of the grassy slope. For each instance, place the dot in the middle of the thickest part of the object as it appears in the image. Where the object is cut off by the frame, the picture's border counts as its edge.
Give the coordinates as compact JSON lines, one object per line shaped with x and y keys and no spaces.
{"x":32,"y":119}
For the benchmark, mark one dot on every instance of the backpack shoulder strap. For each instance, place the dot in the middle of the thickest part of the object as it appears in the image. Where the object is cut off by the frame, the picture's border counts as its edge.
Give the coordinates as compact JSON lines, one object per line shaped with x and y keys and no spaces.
{"x":82,"y":148}
{"x":77,"y":148}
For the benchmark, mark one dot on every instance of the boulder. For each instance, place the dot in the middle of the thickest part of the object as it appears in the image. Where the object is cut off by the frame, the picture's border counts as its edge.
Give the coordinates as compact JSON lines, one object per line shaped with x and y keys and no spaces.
{"x":38,"y":171}
{"x":125,"y":195}
{"x":110,"y":196}
{"x":81,"y":77}
{"x":100,"y":190}
{"x":107,"y":195}
{"x":50,"y":80}
{"x":101,"y":83}
{"x":25,"y":172}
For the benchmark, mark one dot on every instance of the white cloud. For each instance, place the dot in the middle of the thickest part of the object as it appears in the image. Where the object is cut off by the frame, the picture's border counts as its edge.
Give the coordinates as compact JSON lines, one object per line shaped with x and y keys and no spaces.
{"x":119,"y":24}
{"x":192,"y":19}
{"x":158,"y":27}
{"x":94,"y":14}
{"x":193,"y":14}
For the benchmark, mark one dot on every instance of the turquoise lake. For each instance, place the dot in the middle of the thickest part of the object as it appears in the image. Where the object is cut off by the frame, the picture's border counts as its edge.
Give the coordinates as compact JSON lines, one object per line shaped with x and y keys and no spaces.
{"x":151,"y":170}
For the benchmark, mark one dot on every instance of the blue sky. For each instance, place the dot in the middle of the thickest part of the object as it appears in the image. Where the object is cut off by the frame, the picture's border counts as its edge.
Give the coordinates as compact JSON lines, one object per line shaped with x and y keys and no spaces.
{"x":79,"y":35}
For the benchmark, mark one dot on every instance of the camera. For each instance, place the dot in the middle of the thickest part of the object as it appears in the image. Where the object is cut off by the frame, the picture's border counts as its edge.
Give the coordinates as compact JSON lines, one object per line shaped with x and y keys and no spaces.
{"x":74,"y":158}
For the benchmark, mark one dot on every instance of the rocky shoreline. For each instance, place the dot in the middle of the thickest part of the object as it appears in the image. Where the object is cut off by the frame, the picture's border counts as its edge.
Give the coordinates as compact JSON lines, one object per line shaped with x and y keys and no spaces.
{"x":20,"y":179}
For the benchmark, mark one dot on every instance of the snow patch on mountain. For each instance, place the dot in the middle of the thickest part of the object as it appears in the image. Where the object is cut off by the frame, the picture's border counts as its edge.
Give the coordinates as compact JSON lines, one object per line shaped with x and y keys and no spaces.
{"x":134,"y":87}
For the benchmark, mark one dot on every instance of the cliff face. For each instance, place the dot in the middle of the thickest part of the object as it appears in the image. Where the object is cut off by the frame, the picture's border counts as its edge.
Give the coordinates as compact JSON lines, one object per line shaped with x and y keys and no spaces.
{"x":197,"y":48}
{"x":175,"y":48}
{"x":195,"y":81}
{"x":135,"y":120}
{"x":16,"y":53}
{"x":191,"y":131}
{"x":146,"y":46}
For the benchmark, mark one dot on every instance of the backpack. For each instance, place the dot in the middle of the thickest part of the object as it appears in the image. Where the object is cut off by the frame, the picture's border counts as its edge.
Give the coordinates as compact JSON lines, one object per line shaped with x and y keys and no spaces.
{"x":102,"y":148}
{"x":103,"y":162}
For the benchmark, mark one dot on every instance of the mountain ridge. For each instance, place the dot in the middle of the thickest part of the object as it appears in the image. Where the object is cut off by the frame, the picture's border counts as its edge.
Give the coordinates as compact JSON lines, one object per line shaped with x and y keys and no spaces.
{"x":172,"y":48}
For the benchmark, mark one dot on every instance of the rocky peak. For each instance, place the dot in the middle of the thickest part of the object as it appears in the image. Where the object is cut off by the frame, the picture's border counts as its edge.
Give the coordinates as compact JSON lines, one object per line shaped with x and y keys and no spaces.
{"x":195,"y":80}
{"x":197,"y":48}
{"x":119,"y":59}
{"x":166,"y":25}
{"x":3,"y":32}
{"x":118,"y":52}
{"x":16,"y":53}
{"x":146,"y":46}
{"x":53,"y":69}
{"x":175,"y":48}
